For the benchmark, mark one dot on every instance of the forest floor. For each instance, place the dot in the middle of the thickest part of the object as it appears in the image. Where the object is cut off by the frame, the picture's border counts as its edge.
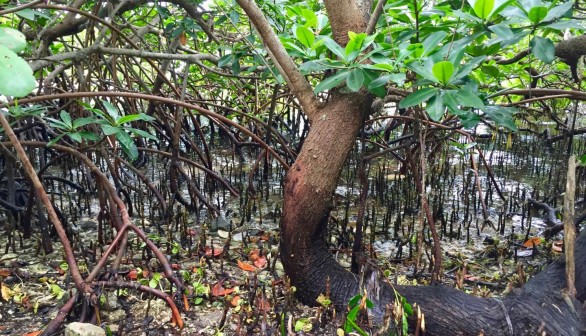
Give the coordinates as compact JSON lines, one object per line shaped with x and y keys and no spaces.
{"x":235,"y":282}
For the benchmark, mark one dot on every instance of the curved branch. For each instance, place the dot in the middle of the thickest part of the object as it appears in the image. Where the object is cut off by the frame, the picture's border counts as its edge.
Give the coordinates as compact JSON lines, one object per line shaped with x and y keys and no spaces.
{"x":295,"y":80}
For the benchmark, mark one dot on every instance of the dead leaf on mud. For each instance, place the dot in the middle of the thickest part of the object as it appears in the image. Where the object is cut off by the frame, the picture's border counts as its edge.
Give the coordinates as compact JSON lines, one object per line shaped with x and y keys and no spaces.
{"x":219,"y":290}
{"x":246,"y":267}
{"x":533,"y":241}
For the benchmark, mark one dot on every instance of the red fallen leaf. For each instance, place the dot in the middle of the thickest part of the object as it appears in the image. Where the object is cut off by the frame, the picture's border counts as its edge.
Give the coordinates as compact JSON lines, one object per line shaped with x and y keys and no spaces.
{"x":532,"y":241}
{"x":246,"y":267}
{"x":132,"y":275}
{"x":218,"y":290}
{"x":253,"y":255}
{"x":33,"y":333}
{"x":235,"y":300}
{"x":145,"y":273}
{"x":260,"y":262}
{"x":4,"y":272}
{"x":216,"y":251}
{"x":176,"y":266}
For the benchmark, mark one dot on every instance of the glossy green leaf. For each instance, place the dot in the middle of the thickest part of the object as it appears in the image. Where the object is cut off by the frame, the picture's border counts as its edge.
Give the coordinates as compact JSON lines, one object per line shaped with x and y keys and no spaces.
{"x":432,"y":42}
{"x":559,"y":11}
{"x":543,"y":49}
{"x":12,"y":39}
{"x":305,"y":36}
{"x":536,"y":14}
{"x":16,"y":76}
{"x":483,"y":8}
{"x":443,"y":71}
{"x":134,"y":117}
{"x":502,"y":116}
{"x":331,"y":82}
{"x":334,"y":47}
{"x":418,"y":97}
{"x":435,"y":106}
{"x":423,"y":70}
{"x":467,"y":98}
{"x":128,"y":145}
{"x":355,"y":80}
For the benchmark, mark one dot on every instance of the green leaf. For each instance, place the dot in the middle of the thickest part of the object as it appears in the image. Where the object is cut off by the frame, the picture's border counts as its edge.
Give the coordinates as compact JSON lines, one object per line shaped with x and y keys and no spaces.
{"x":432,"y":41}
{"x":559,"y":11}
{"x":468,"y":67}
{"x":538,"y":13}
{"x":134,"y":117}
{"x":418,"y":97}
{"x":354,"y":45}
{"x":483,"y":8}
{"x":12,"y":39}
{"x":111,"y":109}
{"x":79,"y":122}
{"x":334,"y":47}
{"x":502,"y":116}
{"x":128,"y":147}
{"x":467,"y":98}
{"x":355,"y":80}
{"x":443,"y":71}
{"x":543,"y":49}
{"x":566,"y":24}
{"x":109,"y":129}
{"x":435,"y":106}
{"x":423,"y":71}
{"x":66,"y":118}
{"x":305,"y":36}
{"x":16,"y":76}
{"x":331,"y":82}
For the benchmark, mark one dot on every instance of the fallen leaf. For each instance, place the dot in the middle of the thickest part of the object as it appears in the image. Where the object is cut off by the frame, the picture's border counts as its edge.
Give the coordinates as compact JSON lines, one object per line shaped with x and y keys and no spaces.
{"x":532,"y":241}
{"x":4,"y":272}
{"x":216,"y":251}
{"x":175,"y":266}
{"x":6,"y":292}
{"x":557,"y":246}
{"x":253,"y":255}
{"x":33,"y":333}
{"x":260,"y":262}
{"x":235,"y":300}
{"x":132,"y":275}
{"x":246,"y":267}
{"x":218,"y":290}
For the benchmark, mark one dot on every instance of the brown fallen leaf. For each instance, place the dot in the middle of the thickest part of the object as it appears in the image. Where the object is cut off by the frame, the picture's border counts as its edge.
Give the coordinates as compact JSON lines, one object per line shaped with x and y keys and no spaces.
{"x":532,"y":241}
{"x":216,"y":251}
{"x":219,"y":290}
{"x":4,"y":272}
{"x":235,"y":300}
{"x":246,"y":267}
{"x":33,"y":333}
{"x":260,"y":262}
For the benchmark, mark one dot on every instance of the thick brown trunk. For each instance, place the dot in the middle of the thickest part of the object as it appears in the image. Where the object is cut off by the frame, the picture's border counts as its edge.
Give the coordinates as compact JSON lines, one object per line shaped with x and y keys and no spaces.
{"x":309,"y":187}
{"x":539,"y":307}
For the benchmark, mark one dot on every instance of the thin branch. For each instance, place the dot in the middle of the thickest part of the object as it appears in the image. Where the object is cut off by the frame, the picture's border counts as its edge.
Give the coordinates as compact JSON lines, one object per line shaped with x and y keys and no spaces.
{"x":84,"y":53}
{"x":295,"y":80}
{"x":375,"y":15}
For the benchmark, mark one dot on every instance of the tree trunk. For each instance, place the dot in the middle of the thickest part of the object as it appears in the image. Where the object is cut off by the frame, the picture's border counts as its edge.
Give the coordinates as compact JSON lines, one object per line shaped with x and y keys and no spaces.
{"x":309,"y":187}
{"x":540,"y":307}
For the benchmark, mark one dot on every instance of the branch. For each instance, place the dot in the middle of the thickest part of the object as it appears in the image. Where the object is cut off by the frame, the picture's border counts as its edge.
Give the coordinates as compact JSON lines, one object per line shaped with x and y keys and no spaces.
{"x":84,"y":53}
{"x":295,"y":80}
{"x":571,"y":94}
{"x":375,"y":15}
